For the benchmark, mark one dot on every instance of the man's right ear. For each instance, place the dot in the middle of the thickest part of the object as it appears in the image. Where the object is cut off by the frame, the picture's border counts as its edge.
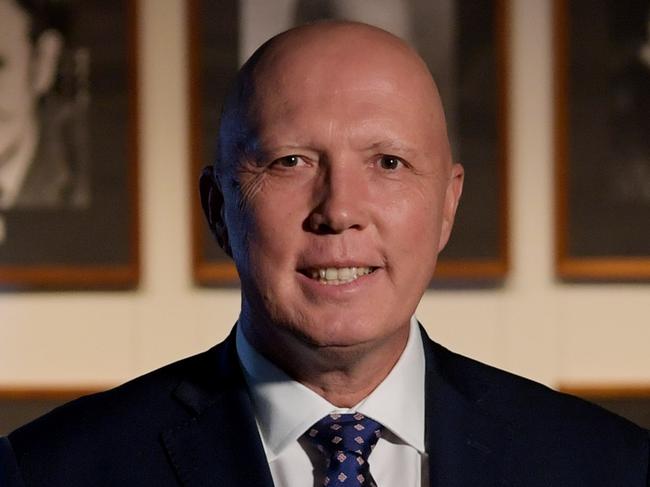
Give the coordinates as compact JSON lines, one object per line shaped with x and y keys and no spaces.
{"x":213,"y":208}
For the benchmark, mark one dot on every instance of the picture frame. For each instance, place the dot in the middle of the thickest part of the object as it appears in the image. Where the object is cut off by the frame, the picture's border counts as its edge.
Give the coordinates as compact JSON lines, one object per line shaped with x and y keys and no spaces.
{"x":602,"y":148}
{"x":82,"y":234}
{"x":478,"y":249}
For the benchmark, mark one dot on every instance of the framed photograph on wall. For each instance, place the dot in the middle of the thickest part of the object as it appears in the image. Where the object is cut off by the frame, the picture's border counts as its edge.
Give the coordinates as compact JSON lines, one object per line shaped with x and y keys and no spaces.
{"x":68,"y":146}
{"x":464,"y":44}
{"x":602,"y":139}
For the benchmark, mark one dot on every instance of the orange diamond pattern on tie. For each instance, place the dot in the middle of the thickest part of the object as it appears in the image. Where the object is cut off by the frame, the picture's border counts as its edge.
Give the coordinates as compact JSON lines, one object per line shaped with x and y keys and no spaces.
{"x":346,"y":440}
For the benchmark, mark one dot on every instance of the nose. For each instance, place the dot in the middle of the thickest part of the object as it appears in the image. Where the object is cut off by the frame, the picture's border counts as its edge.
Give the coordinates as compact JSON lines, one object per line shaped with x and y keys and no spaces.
{"x":341,"y":201}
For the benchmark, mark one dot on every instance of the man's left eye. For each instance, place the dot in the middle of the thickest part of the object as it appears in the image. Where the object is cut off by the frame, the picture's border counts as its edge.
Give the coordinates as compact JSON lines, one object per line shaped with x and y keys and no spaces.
{"x":390,"y":162}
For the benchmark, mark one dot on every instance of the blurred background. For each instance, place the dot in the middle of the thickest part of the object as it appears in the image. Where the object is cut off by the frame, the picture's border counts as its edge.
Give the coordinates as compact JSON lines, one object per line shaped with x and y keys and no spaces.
{"x":591,"y":339}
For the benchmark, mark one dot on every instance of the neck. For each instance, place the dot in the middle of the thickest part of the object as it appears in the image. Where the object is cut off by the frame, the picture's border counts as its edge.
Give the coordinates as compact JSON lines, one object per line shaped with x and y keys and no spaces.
{"x":343,"y":376}
{"x":346,"y":386}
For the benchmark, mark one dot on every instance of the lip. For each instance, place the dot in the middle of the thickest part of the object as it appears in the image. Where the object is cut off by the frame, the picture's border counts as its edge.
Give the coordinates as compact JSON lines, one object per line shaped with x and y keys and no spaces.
{"x":323,"y":264}
{"x":308,"y":270}
{"x":317,"y":289}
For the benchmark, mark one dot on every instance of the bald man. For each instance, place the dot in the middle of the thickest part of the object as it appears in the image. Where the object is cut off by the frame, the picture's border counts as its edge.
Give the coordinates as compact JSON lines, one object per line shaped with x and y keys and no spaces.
{"x":334,"y":191}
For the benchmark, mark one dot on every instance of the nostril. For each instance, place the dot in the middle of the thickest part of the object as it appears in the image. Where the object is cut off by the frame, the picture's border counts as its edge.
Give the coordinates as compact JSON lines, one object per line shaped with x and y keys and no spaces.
{"x":318,"y":226}
{"x":324,"y":229}
{"x":326,"y":220}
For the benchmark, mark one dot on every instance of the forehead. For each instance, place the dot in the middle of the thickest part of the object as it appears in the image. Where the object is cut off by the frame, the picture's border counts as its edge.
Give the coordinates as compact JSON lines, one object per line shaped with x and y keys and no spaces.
{"x":14,"y":24}
{"x":371,"y":90}
{"x":360,"y":115}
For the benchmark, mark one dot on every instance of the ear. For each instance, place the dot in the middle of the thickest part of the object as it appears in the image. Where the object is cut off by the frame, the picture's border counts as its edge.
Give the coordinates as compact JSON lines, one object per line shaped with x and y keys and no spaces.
{"x":213,"y":207}
{"x":452,"y":198}
{"x":47,"y":53}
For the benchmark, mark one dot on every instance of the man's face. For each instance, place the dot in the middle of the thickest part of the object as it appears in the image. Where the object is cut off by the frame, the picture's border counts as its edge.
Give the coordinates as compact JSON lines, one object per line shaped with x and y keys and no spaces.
{"x":344,"y":198}
{"x":16,"y":94}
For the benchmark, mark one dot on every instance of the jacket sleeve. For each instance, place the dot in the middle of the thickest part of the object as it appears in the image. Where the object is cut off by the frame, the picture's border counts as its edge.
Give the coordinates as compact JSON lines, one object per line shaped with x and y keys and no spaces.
{"x":9,"y":471}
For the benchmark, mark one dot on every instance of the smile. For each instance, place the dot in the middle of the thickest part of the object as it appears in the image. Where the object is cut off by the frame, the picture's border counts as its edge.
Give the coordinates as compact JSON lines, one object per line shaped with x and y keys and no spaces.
{"x":338,"y":275}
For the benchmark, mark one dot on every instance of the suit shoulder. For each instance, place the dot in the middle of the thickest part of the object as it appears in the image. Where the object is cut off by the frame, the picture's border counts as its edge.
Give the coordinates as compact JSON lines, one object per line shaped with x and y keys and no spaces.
{"x":145,"y":403}
{"x":528,"y":404}
{"x":554,"y":438}
{"x":120,"y":432}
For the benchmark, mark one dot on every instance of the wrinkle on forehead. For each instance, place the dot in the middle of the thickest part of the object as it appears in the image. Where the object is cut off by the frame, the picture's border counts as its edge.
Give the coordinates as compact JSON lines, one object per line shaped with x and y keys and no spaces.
{"x":329,"y":59}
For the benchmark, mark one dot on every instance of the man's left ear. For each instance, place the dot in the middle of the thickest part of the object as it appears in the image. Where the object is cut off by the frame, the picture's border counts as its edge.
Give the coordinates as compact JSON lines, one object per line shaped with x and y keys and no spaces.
{"x":213,"y":207}
{"x":452,"y":198}
{"x":45,"y":62}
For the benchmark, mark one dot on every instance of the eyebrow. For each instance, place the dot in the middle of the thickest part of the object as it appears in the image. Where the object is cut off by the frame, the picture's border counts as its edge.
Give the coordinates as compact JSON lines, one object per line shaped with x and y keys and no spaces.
{"x":261,"y":147}
{"x":260,"y":153}
{"x":269,"y":146}
{"x":391,"y":146}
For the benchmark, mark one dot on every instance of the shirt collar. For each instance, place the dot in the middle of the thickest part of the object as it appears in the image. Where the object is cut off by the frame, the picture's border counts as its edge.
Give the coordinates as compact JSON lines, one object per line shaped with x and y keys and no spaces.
{"x":284,"y":408}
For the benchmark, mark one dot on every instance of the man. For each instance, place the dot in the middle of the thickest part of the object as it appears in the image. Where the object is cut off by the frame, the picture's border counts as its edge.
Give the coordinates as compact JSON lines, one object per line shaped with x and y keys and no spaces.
{"x":334,"y":192}
{"x":42,"y":135}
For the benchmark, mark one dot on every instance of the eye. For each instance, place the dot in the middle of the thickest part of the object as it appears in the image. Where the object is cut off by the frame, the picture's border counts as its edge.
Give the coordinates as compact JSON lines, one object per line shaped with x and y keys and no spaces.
{"x":390,"y":163}
{"x":288,"y":161}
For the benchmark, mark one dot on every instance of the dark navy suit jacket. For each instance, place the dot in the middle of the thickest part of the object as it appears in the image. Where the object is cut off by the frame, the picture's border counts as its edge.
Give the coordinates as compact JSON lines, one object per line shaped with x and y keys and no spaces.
{"x":191,"y":423}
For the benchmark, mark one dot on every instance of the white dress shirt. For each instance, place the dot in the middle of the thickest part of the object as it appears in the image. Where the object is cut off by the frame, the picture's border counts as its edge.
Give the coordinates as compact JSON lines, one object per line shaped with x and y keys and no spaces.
{"x":285,"y":409}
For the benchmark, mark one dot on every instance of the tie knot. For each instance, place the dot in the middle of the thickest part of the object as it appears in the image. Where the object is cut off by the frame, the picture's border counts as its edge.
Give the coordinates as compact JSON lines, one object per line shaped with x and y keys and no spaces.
{"x":347,"y":433}
{"x":347,"y":441}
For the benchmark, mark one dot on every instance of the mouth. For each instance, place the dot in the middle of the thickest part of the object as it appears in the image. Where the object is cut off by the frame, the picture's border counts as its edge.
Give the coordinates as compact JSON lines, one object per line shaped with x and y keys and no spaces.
{"x":337,"y":275}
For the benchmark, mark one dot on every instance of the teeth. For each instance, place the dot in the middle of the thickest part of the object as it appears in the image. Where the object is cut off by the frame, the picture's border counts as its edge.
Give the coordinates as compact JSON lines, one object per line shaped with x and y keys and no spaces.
{"x":340,"y":275}
{"x":345,"y":274}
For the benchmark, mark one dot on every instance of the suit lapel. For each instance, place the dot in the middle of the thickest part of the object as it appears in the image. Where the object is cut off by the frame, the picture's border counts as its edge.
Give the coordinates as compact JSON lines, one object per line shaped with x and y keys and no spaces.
{"x":219,"y":444}
{"x":466,"y":446}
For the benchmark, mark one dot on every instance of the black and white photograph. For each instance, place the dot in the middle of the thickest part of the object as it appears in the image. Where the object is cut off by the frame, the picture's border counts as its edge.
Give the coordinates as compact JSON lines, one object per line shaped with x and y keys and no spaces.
{"x":67,"y":146}
{"x":463,"y":44}
{"x":603,"y":152}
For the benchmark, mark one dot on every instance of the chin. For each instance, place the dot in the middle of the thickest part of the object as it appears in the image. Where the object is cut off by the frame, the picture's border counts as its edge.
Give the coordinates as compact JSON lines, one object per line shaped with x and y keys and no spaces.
{"x":340,"y":330}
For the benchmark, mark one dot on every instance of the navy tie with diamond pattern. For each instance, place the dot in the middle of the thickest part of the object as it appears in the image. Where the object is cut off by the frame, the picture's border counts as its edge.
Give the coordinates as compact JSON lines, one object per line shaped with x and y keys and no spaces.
{"x":347,"y":440}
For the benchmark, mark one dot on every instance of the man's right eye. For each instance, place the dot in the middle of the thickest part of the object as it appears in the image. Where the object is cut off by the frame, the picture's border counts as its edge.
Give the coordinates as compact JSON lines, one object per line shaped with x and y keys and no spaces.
{"x":288,"y":161}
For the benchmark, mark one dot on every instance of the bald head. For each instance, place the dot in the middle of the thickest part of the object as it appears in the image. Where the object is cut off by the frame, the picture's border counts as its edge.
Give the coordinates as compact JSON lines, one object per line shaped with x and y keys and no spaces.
{"x":342,"y":194}
{"x":326,"y":57}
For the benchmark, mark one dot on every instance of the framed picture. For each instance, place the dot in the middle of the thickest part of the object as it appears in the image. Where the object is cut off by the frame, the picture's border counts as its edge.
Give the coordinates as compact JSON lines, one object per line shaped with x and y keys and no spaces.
{"x":602,"y":69}
{"x":68,"y":147}
{"x":464,"y":46}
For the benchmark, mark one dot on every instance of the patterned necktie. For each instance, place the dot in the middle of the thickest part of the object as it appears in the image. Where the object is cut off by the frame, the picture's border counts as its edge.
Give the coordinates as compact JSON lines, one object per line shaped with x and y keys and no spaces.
{"x":347,"y":440}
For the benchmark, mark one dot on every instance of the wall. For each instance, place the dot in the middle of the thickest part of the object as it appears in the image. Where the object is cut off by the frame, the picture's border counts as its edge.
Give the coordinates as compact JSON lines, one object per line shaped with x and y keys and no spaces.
{"x":533,"y":325}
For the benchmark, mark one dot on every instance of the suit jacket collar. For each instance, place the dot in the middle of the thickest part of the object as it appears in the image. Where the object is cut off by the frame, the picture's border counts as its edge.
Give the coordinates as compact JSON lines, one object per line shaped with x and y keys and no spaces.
{"x":219,"y":443}
{"x":466,"y":445}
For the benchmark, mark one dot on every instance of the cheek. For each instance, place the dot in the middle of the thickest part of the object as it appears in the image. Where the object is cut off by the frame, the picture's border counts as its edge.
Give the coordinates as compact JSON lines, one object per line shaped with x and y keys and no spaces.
{"x":15,"y":86}
{"x":410,"y":234}
{"x":268,"y":231}
{"x":16,"y":116}
{"x":412,"y":212}
{"x":16,"y":102}
{"x":419,"y":234}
